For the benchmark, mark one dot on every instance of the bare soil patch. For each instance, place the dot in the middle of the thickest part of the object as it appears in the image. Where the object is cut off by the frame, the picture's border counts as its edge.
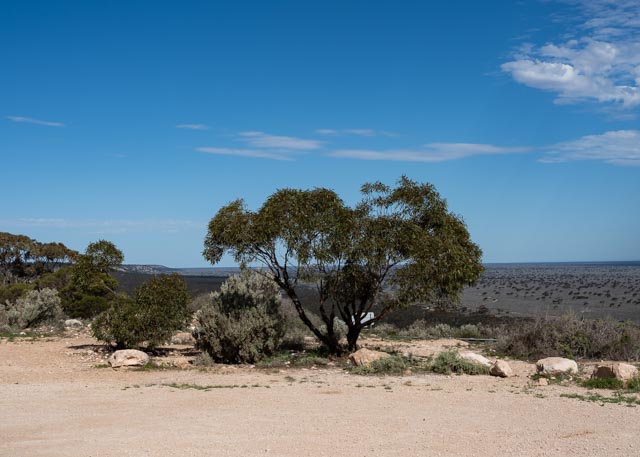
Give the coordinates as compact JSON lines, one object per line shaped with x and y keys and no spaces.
{"x":57,"y":401}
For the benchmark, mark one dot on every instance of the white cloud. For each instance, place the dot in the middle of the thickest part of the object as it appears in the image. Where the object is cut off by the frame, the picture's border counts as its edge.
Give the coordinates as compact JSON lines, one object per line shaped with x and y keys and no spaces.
{"x":361,"y":132}
{"x":264,"y":140}
{"x":245,"y":153}
{"x":266,"y":146}
{"x":192,"y":126}
{"x":30,"y":120}
{"x":621,"y":147}
{"x":358,"y":132}
{"x":105,"y":226}
{"x":600,"y":63}
{"x":431,"y":152}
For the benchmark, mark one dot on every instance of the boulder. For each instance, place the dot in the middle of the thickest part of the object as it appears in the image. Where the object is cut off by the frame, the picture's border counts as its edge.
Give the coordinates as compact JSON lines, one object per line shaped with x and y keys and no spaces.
{"x":364,"y":357}
{"x":475,"y":358}
{"x":501,"y":369}
{"x":556,"y":365}
{"x":618,"y":370}
{"x":182,"y":338}
{"x":128,"y":358}
{"x":72,"y":323}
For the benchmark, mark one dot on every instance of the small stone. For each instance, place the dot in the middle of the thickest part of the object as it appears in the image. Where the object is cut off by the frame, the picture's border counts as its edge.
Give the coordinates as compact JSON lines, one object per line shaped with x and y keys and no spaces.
{"x":542,"y":382}
{"x":72,"y":323}
{"x":501,"y":369}
{"x":618,"y":370}
{"x":556,"y":365}
{"x":128,"y":358}
{"x":475,"y":358}
{"x":364,"y":357}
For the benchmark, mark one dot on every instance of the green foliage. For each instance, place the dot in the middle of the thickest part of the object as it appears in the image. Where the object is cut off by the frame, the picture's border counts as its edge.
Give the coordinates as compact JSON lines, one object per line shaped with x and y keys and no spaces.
{"x":23,"y":259}
{"x":634,"y":384}
{"x":12,"y":292}
{"x":90,"y":288}
{"x":603,"y":383}
{"x":37,"y":307}
{"x":617,"y":398}
{"x":450,"y":362}
{"x":568,"y":336}
{"x":397,"y":246}
{"x":392,"y":365}
{"x":158,"y":309}
{"x":243,"y":322}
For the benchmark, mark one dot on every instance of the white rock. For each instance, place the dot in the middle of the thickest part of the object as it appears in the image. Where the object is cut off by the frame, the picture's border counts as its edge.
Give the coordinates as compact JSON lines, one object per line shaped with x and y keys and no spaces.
{"x":556,"y":365}
{"x":501,"y":369}
{"x":620,"y":371}
{"x":475,"y":358}
{"x":364,"y":357}
{"x":128,"y":358}
{"x":72,"y":323}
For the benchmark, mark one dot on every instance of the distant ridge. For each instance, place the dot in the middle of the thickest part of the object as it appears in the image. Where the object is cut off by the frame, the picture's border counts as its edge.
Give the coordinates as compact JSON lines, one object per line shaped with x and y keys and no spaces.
{"x":161,"y":269}
{"x":228,"y":271}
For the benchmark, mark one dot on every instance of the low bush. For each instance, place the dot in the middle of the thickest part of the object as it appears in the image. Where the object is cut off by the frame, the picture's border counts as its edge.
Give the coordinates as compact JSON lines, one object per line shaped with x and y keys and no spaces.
{"x":450,"y":362}
{"x":243,"y":321}
{"x":634,"y":384}
{"x":603,"y":383}
{"x":159,"y":308}
{"x":11,"y":292}
{"x":569,"y":336}
{"x":393,"y":365}
{"x":35,"y":308}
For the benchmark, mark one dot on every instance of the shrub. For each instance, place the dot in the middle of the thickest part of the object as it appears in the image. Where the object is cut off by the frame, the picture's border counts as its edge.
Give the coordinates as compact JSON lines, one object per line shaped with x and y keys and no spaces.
{"x":603,"y":383}
{"x":450,"y":362}
{"x":159,"y":308}
{"x":37,"y":307}
{"x":243,"y":322}
{"x":393,"y":365}
{"x":634,"y":384}
{"x":569,"y":336}
{"x":11,"y":292}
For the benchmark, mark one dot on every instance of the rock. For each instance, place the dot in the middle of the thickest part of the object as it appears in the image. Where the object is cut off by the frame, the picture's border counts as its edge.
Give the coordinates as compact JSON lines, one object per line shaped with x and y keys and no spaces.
{"x":556,"y":365}
{"x":128,"y":358}
{"x":618,"y":370}
{"x":182,"y":338}
{"x":475,"y":358}
{"x":364,"y":357}
{"x":501,"y":369}
{"x":542,"y":382}
{"x":407,"y":372}
{"x":72,"y":323}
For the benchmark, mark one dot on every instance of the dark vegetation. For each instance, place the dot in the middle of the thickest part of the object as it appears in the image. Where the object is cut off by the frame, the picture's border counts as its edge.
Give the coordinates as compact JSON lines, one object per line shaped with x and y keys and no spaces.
{"x":397,"y":246}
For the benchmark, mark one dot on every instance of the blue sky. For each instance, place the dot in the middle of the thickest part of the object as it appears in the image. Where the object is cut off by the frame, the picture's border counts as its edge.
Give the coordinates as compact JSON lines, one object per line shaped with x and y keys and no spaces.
{"x":135,"y":121}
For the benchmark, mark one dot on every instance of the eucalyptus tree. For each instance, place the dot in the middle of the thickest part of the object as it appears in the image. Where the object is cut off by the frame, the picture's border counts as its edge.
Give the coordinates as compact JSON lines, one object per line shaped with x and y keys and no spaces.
{"x":398,"y":246}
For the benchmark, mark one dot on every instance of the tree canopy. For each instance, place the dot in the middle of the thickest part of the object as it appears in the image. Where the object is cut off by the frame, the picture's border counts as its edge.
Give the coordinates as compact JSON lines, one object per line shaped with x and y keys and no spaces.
{"x":23,"y":259}
{"x":398,"y":246}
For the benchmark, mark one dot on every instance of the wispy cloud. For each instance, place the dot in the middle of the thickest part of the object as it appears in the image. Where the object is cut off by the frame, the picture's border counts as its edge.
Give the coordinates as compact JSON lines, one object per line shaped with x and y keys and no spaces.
{"x":30,"y":120}
{"x":264,"y":140}
{"x":266,"y":146}
{"x":358,"y":132}
{"x":431,"y":152}
{"x":600,"y":62}
{"x":245,"y":153}
{"x":99,"y":226}
{"x":192,"y":126}
{"x":621,"y":147}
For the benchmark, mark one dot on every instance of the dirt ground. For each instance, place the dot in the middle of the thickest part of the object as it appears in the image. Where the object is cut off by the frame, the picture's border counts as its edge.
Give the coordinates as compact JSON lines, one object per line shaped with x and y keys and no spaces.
{"x":57,"y":399}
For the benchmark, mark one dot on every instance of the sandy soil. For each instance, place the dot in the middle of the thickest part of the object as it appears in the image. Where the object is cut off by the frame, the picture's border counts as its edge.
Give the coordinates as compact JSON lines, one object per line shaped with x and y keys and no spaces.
{"x":54,"y":401}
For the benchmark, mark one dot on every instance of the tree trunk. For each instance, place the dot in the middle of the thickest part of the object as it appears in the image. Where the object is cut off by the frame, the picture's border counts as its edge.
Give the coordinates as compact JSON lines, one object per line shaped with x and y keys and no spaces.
{"x":352,"y":337}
